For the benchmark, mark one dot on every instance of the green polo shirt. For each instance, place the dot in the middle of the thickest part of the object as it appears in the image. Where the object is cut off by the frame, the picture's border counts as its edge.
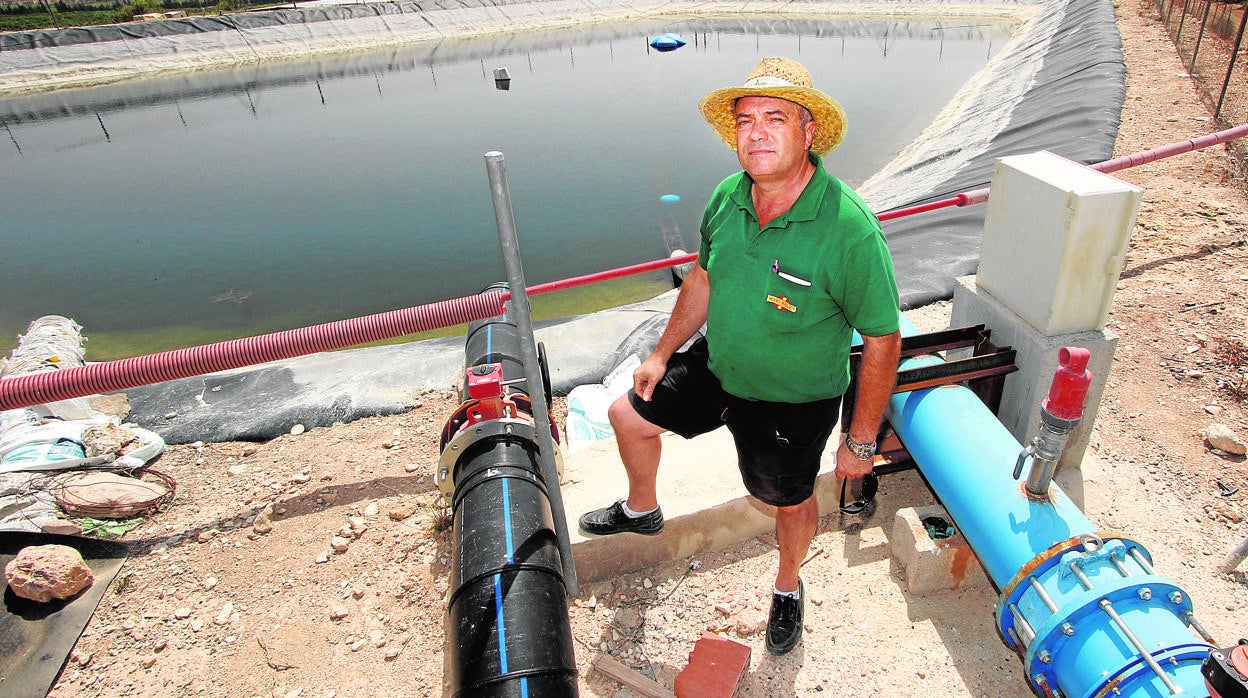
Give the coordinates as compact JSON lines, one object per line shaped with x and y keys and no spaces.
{"x":785,"y":299}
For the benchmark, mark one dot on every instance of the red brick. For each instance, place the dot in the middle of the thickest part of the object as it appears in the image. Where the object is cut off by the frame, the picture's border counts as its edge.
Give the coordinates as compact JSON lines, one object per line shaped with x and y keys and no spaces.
{"x":716,"y":669}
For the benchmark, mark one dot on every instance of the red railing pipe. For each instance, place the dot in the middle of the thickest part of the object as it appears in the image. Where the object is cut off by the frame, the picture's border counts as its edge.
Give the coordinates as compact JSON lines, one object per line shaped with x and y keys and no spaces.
{"x":1166,"y":151}
{"x":979,"y":196}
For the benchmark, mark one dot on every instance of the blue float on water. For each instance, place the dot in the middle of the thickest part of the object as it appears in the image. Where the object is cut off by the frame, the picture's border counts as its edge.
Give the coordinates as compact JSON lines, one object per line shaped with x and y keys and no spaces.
{"x":669,"y":198}
{"x":667,"y":42}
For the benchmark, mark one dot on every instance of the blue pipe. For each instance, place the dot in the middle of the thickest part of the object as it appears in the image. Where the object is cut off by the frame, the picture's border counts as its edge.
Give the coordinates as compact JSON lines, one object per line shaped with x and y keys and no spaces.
{"x":1083,"y":609}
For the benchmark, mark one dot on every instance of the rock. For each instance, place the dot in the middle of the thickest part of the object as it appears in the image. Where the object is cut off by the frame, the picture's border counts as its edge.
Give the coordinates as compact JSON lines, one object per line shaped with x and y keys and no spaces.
{"x":338,"y":612}
{"x":46,"y":572}
{"x":250,"y":450}
{"x":210,"y":583}
{"x":358,"y":525}
{"x":629,"y":618}
{"x":322,"y":557}
{"x":749,"y":623}
{"x":223,"y":617}
{"x":372,"y":509}
{"x":339,"y":544}
{"x":1229,"y":513}
{"x":1223,"y":438}
{"x":262,"y":524}
{"x":235,"y":470}
{"x":297,"y":430}
{"x":148,"y":662}
{"x":401,"y":511}
{"x":393,"y":653}
{"x":60,"y":527}
{"x":197,"y":625}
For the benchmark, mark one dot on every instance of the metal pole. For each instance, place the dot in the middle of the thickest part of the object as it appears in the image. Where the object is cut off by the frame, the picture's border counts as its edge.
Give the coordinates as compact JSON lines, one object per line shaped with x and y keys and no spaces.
{"x":1230,"y":68}
{"x":1204,"y":21}
{"x":505,"y":219}
{"x":1178,"y":36}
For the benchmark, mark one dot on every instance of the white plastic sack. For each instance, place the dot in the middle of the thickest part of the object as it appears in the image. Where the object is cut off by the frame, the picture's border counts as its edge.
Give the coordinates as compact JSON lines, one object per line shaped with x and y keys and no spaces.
{"x":587,"y":405}
{"x":29,"y":443}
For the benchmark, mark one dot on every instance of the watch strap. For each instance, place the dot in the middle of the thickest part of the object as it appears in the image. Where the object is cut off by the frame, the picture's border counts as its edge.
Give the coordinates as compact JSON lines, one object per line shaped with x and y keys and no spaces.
{"x":860,"y":451}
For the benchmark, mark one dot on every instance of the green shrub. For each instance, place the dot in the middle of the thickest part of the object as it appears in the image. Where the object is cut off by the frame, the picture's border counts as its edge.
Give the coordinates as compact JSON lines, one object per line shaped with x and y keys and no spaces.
{"x":128,"y":11}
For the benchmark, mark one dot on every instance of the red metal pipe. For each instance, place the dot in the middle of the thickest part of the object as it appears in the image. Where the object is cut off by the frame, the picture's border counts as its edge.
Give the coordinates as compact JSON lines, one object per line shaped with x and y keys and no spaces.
{"x":1166,"y":151}
{"x":979,"y":196}
{"x":610,"y":274}
{"x":50,"y":386}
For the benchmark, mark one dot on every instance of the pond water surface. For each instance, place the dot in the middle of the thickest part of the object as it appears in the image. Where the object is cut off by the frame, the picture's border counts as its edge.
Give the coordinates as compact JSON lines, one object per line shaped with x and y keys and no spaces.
{"x":179,"y":211}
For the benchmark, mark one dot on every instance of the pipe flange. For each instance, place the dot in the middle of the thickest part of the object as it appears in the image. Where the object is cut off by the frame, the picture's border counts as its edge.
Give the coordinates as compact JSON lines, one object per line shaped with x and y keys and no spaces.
{"x":495,"y":428}
{"x":1050,"y":556}
{"x":1089,"y":543}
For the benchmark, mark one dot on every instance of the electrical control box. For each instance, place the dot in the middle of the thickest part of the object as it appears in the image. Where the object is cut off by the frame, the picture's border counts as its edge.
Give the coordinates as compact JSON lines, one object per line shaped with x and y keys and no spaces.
{"x":1055,"y":236}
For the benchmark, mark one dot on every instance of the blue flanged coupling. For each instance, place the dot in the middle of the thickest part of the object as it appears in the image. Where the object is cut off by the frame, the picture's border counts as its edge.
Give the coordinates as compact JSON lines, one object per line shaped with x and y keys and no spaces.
{"x":1090,"y":618}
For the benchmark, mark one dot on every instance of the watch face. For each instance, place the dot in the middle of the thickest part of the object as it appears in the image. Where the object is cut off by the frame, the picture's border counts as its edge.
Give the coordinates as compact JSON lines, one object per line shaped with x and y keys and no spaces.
{"x":863,"y":451}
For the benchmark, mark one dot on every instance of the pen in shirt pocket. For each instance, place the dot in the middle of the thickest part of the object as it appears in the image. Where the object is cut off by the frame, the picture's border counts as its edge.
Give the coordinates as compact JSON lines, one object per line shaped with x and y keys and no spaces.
{"x":775,"y":267}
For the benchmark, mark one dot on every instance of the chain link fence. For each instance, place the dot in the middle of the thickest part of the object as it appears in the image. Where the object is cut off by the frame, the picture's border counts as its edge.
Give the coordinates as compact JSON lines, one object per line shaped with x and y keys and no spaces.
{"x":1209,"y":36}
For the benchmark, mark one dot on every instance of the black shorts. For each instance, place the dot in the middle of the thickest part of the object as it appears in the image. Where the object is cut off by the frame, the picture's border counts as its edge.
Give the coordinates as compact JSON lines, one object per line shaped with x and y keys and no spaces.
{"x":779,"y":444}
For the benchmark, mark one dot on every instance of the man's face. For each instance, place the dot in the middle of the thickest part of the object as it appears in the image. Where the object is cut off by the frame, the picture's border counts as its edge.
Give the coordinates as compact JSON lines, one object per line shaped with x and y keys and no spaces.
{"x":771,"y":140}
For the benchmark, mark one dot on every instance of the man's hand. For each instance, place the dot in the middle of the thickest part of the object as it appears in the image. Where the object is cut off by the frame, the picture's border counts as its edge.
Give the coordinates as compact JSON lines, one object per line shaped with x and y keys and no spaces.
{"x":850,"y":466}
{"x":648,"y":375}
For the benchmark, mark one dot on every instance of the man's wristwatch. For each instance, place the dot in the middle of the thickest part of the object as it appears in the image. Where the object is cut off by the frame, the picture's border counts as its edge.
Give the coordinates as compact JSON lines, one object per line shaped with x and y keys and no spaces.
{"x":860,"y":451}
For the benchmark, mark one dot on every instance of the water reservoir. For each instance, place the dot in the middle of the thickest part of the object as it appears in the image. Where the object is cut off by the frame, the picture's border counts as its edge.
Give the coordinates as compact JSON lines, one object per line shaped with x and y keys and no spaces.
{"x":200,"y":207}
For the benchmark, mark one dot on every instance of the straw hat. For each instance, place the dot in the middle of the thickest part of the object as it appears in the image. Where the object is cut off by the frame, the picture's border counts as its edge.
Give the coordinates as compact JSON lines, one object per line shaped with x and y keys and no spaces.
{"x":784,"y":78}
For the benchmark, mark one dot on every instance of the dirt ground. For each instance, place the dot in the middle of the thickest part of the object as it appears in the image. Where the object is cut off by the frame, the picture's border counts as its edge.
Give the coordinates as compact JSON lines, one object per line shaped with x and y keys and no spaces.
{"x":216,"y":602}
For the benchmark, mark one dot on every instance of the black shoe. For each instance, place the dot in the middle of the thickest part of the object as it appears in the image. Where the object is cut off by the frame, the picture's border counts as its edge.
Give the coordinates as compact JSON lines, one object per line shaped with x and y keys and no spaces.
{"x":784,"y":625}
{"x":612,"y":519}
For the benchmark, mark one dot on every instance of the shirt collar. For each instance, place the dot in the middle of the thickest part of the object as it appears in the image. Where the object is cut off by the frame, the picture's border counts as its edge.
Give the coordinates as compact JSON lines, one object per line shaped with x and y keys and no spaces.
{"x":806,"y":208}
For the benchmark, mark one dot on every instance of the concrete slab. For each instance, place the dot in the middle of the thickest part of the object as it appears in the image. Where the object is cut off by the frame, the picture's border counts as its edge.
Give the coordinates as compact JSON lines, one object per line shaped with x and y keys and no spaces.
{"x":704,"y":503}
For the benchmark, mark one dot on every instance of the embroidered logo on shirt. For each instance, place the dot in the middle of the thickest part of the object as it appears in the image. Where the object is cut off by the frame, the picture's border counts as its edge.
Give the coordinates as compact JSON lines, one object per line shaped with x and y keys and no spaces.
{"x":782,"y":303}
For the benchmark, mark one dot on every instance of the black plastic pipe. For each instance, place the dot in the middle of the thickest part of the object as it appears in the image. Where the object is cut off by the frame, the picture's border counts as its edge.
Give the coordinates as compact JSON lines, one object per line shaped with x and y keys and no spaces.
{"x":508,"y":631}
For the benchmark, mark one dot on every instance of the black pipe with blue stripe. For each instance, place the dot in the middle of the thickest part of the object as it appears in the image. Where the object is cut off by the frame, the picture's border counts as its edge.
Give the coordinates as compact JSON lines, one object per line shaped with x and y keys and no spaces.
{"x":508,"y":632}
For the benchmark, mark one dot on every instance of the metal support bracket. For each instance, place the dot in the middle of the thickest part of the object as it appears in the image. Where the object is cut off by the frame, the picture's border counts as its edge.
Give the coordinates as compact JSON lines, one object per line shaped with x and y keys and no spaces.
{"x":983,"y":372}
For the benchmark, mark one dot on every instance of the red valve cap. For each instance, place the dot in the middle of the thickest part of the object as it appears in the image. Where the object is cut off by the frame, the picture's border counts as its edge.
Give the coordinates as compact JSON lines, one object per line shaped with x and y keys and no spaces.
{"x":1070,"y":384}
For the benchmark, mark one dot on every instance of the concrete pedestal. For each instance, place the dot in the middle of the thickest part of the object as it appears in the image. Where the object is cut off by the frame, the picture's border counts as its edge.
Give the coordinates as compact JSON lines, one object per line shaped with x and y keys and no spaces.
{"x":1036,"y":359}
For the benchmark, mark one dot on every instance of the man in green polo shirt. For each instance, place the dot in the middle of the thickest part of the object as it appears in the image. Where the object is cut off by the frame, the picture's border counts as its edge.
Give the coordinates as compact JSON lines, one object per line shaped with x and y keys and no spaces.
{"x":791,"y":263}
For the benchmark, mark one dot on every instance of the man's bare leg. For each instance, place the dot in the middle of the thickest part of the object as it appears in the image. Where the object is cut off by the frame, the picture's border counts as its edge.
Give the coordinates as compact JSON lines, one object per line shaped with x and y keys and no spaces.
{"x":795,"y":529}
{"x":640,"y":447}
